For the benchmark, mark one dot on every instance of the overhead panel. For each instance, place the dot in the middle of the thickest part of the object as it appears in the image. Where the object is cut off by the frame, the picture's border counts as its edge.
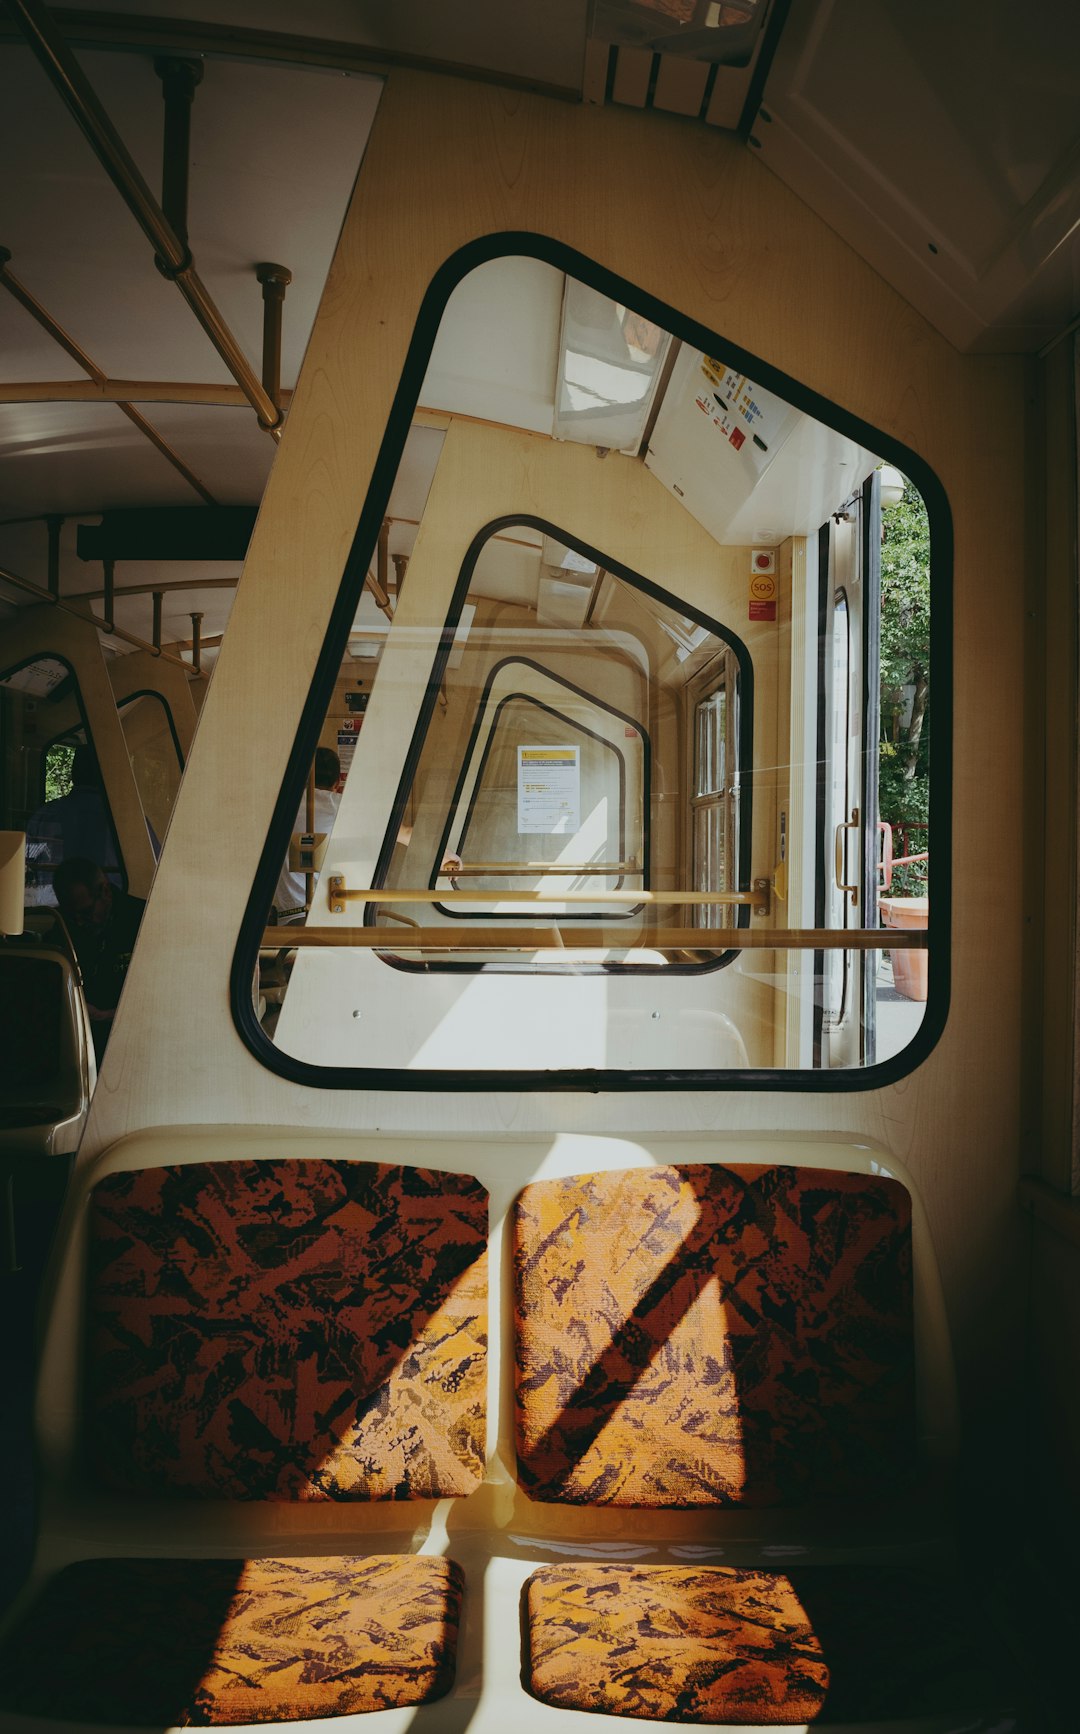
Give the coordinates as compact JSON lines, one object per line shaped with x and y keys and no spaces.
{"x":748,"y":466}
{"x":890,"y":122}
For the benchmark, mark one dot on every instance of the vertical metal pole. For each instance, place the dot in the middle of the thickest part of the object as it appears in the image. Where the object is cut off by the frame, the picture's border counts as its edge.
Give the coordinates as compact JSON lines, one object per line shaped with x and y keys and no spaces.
{"x":11,"y":1245}
{"x":179,"y":79}
{"x":156,"y":633}
{"x":309,"y":827}
{"x":109,"y":568}
{"x":382,"y":568}
{"x":53,"y":523}
{"x":275,"y":279}
{"x":196,"y":643}
{"x":401,"y":566}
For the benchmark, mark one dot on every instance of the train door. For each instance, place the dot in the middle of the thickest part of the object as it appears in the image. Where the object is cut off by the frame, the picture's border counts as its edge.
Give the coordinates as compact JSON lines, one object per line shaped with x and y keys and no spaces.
{"x":714,"y":786}
{"x":848,"y":728}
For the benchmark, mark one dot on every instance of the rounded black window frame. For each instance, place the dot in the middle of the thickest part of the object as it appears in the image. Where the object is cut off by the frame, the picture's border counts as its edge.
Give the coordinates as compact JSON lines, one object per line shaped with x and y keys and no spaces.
{"x":527,"y":244}
{"x":726,"y":636}
{"x":58,"y":739}
{"x":152,"y":692}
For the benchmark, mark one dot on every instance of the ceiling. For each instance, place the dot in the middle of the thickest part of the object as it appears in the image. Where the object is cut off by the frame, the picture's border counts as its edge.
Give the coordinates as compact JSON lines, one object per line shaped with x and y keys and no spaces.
{"x":944,"y":143}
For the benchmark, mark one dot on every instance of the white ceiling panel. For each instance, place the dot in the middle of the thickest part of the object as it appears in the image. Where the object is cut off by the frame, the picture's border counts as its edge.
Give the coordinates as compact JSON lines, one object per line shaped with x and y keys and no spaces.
{"x":66,"y":457}
{"x":226,"y":448}
{"x":496,"y":353}
{"x":274,"y":154}
{"x":74,"y":244}
{"x":26,"y":351}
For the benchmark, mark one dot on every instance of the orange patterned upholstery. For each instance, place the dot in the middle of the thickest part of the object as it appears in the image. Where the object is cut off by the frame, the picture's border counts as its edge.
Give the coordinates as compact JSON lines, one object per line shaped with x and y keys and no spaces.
{"x":288,"y":1330}
{"x":712,"y":1644}
{"x":160,"y":1642}
{"x":705,"y":1335}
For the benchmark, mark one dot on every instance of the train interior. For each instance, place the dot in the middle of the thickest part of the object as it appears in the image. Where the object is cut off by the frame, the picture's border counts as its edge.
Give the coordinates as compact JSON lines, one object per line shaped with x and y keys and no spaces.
{"x":517,"y":1202}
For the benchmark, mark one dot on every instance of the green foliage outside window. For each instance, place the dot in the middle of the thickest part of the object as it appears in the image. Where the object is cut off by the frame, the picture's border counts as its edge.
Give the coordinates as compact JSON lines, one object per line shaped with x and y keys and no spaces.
{"x":904,"y":772}
{"x":58,"y":771}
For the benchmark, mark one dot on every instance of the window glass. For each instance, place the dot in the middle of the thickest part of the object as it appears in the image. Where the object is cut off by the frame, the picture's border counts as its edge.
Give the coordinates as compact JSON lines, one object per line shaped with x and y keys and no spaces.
{"x":51,"y":786}
{"x":531,"y":801}
{"x":715,"y":799}
{"x":625,"y":670}
{"x":155,"y":757}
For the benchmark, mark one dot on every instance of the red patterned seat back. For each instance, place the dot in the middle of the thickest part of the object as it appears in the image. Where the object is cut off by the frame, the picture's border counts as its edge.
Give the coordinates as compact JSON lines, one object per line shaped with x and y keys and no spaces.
{"x":288,"y":1330}
{"x":705,"y":1335}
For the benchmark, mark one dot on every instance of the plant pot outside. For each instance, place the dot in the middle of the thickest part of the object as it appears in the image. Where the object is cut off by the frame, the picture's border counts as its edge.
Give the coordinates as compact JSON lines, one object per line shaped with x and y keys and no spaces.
{"x":909,"y":968}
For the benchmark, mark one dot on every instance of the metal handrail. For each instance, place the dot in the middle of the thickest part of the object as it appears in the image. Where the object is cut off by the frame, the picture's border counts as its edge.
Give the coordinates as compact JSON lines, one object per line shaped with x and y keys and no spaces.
{"x":603,"y":938}
{"x":339,"y":894}
{"x":561,"y":869}
{"x":82,"y":102}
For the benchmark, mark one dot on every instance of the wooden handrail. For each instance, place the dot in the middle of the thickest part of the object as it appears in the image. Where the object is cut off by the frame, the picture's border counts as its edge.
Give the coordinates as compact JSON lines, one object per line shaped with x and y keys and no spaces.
{"x":600,"y":938}
{"x":525,"y":869}
{"x":338,"y":894}
{"x":176,"y":263}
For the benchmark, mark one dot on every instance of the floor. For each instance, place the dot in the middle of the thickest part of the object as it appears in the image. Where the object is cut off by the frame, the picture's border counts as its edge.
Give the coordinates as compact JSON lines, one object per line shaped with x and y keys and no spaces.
{"x":898,"y":1018}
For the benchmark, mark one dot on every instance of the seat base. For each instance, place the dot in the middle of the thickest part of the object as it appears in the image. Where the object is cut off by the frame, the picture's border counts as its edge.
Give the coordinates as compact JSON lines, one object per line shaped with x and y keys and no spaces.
{"x":207,"y":1642}
{"x":719,"y":1645}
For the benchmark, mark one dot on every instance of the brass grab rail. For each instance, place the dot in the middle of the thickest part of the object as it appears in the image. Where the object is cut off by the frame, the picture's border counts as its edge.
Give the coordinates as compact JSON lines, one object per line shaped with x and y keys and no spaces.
{"x":603,"y":938}
{"x":338,"y":894}
{"x":525,"y":869}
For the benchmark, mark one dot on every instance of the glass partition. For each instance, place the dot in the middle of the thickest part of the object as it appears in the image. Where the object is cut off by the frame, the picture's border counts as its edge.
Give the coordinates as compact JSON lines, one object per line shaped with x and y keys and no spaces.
{"x":155,"y":757}
{"x":51,"y":786}
{"x":627,"y":779}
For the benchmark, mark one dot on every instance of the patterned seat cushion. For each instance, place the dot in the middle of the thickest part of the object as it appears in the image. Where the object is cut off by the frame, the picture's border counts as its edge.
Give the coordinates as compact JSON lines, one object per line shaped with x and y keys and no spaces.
{"x":162,"y":1642}
{"x":702,"y":1335}
{"x":712,"y":1644}
{"x":288,"y":1330}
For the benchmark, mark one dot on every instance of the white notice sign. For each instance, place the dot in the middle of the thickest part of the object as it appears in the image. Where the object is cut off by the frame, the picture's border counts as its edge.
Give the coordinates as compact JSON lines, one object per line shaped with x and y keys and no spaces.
{"x":549,"y":790}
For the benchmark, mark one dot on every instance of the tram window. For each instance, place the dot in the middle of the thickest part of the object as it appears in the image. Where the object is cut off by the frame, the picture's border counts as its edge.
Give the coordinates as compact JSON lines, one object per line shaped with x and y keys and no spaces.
{"x":51,"y":786}
{"x":531,"y":800}
{"x":835,"y":700}
{"x":156,"y":759}
{"x":715,"y":800}
{"x":609,"y":806}
{"x":59,"y":764}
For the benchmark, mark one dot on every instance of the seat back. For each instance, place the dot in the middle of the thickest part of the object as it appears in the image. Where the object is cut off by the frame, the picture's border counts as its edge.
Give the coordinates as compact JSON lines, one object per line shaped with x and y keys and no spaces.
{"x":47,"y":1072}
{"x":288,"y":1330}
{"x":713,"y":1335}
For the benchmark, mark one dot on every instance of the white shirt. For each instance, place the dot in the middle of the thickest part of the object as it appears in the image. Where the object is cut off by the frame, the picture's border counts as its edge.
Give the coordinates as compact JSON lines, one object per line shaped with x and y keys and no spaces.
{"x":291,"y":887}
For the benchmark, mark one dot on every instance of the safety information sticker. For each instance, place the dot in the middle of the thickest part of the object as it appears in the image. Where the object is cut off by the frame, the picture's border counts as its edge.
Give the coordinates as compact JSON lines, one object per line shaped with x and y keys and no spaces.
{"x":548,"y":790}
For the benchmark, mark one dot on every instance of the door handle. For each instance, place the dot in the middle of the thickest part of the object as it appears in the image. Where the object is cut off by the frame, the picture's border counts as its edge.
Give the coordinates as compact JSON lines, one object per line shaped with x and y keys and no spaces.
{"x":851,"y":824}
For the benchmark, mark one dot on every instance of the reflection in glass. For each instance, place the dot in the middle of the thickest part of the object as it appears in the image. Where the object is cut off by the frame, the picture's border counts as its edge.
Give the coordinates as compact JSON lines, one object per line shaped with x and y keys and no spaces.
{"x":51,"y":785}
{"x":155,"y":757}
{"x":534,"y":774}
{"x":614,"y":776}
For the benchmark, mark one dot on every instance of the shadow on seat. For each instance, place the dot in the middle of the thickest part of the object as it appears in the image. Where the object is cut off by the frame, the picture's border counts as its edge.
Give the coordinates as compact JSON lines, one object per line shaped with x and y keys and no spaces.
{"x":275,"y":1331}
{"x":713,"y":1337}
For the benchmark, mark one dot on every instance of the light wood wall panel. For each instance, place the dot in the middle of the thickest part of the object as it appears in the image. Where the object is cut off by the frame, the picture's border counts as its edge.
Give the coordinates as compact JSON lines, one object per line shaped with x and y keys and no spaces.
{"x":142,"y":672}
{"x":48,"y":631}
{"x":694,"y":219}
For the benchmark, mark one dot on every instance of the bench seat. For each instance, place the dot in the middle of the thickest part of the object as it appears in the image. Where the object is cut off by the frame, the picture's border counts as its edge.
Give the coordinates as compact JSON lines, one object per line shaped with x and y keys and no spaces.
{"x":206,"y":1642}
{"x":838,"y":1644}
